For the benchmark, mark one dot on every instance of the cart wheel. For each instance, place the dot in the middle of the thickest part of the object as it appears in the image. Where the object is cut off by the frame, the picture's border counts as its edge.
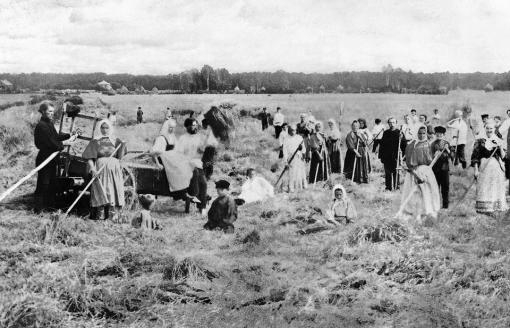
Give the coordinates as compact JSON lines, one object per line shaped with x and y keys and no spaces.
{"x":129,"y":189}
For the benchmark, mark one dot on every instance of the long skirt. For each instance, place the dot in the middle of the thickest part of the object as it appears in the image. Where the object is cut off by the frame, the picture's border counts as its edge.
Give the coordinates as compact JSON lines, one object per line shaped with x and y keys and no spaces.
{"x":425,"y":198}
{"x":362,"y":166}
{"x":297,"y":174}
{"x":335,"y":156}
{"x":178,"y":170}
{"x":108,"y":187}
{"x":318,"y":169}
{"x":491,"y":187}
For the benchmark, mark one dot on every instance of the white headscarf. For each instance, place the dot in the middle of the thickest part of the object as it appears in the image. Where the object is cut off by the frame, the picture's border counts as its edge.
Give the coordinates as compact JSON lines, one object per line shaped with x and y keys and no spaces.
{"x":335,"y":188}
{"x":98,"y":134}
{"x":332,"y":131}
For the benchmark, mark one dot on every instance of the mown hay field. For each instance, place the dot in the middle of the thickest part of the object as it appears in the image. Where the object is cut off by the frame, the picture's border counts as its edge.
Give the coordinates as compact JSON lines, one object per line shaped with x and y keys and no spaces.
{"x":454,"y":272}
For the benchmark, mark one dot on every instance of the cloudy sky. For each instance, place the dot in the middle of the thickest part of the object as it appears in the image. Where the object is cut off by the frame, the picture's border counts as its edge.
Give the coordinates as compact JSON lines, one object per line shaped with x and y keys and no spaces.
{"x":168,"y":36}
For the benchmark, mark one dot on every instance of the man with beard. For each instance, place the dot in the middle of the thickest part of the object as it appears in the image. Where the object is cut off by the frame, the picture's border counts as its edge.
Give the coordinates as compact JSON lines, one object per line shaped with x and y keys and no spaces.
{"x":388,"y":153}
{"x":192,"y":144}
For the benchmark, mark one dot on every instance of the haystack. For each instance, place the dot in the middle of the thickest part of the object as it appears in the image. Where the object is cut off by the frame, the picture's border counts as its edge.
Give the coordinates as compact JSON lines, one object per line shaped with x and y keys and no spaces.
{"x":221,"y":121}
{"x":123,"y":90}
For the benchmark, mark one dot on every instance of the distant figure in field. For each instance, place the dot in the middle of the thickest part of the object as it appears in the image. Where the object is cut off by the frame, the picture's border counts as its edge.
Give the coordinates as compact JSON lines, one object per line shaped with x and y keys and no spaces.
{"x":436,"y":118}
{"x":255,"y":188}
{"x":112,"y":116}
{"x":408,"y":128}
{"x":420,"y":183}
{"x":342,"y":209}
{"x":334,"y":143}
{"x":223,"y":211}
{"x":302,"y":126}
{"x":264,"y":118}
{"x":377,"y":132}
{"x":278,"y":121}
{"x":489,"y":173}
{"x":168,"y":114}
{"x":459,"y":139}
{"x":318,"y":155}
{"x":295,"y":144}
{"x":355,"y":163}
{"x":139,"y":115}
{"x":48,"y":141}
{"x":281,"y":139}
{"x":441,"y":168}
{"x":389,"y":152}
{"x":414,"y":116}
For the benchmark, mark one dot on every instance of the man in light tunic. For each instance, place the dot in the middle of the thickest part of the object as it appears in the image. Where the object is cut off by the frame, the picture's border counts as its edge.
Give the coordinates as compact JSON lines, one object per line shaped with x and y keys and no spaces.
{"x":278,"y":121}
{"x":460,"y":130}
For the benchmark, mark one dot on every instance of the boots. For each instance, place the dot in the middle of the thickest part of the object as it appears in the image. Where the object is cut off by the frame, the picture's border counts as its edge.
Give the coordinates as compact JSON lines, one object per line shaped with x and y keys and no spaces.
{"x":106,"y":212}
{"x":94,"y":211}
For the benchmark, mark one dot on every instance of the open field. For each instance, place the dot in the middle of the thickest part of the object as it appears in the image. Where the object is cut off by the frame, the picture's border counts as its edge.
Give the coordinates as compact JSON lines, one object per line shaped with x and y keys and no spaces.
{"x":373,"y":273}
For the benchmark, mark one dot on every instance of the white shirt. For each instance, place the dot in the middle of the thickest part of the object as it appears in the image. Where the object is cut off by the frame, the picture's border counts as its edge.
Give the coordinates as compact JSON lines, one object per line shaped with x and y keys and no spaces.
{"x":460,"y":129}
{"x":191,"y":144}
{"x":408,"y":131}
{"x":503,"y":129}
{"x":278,"y":119}
{"x":377,"y":131}
{"x":256,"y":189}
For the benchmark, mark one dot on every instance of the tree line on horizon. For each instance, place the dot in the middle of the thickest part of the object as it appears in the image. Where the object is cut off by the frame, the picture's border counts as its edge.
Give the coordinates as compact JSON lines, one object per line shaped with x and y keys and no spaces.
{"x":210,"y":80}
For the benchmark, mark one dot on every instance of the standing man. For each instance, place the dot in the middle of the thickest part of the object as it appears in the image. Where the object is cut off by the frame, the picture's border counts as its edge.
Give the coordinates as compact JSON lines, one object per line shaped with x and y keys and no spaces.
{"x":377,"y":132}
{"x":389,"y":152}
{"x":436,"y":118}
{"x":459,"y":138}
{"x":48,"y":141}
{"x":278,"y":121}
{"x":264,"y":118}
{"x":414,"y":117}
{"x":441,"y":168}
{"x":139,"y":115}
{"x":302,"y":126}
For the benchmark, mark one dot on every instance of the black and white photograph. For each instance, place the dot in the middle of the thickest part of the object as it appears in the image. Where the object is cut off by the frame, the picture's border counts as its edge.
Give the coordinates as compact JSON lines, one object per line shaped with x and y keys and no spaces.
{"x":193,"y":163}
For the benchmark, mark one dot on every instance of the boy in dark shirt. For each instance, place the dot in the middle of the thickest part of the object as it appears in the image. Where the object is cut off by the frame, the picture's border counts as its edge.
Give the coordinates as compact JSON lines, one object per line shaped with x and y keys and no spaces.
{"x":223,"y":211}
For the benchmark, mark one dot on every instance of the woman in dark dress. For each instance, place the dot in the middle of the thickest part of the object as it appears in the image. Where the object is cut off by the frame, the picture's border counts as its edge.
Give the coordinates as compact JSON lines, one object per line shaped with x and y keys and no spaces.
{"x":334,"y":142}
{"x":48,"y":141}
{"x":356,"y":157}
{"x":319,"y":167}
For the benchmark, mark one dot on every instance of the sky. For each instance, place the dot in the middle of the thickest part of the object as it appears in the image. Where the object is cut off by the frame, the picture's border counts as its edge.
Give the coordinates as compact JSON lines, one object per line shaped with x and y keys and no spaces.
{"x":170,"y":36}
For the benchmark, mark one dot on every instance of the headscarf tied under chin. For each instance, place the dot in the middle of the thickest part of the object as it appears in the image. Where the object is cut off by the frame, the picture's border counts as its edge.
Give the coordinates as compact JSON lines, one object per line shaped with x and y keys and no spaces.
{"x":332,"y":131}
{"x":164,"y":128}
{"x":98,"y":134}
{"x":344,"y":194}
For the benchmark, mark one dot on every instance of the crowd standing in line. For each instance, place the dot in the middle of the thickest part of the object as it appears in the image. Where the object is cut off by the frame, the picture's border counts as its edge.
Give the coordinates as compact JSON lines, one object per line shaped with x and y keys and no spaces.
{"x":419,"y":144}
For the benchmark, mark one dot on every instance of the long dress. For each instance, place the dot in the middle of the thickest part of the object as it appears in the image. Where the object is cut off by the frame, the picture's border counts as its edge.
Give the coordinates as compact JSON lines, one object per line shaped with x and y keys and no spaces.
{"x":491,"y":183}
{"x":424,"y":197}
{"x":256,"y":189}
{"x":296,"y":175}
{"x":318,"y":163}
{"x":356,"y":141}
{"x":333,"y":143}
{"x":108,"y":187}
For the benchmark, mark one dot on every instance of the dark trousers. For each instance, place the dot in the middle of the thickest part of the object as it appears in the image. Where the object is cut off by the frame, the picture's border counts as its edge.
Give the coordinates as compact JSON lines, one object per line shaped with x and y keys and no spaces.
{"x":390,"y":176}
{"x":46,"y":187}
{"x":265,"y":125}
{"x":198,"y":188}
{"x":225,"y":227}
{"x":277,"y":131}
{"x":460,"y":156}
{"x":443,"y":181}
{"x":377,"y":142}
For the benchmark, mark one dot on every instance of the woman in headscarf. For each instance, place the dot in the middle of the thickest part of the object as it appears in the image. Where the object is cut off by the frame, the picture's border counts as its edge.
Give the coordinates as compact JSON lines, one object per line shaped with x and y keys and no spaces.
{"x":107,"y":190}
{"x":334,"y":142}
{"x":319,"y":169}
{"x":342,"y":209}
{"x":178,"y":167}
{"x":281,"y":139}
{"x":356,"y":162}
{"x":420,"y":194}
{"x":363,"y":129}
{"x":490,"y":176}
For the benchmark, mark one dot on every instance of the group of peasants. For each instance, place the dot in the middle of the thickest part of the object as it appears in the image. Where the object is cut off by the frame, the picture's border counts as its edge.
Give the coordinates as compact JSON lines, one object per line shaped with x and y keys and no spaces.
{"x":422,"y":148}
{"x":188,"y":162}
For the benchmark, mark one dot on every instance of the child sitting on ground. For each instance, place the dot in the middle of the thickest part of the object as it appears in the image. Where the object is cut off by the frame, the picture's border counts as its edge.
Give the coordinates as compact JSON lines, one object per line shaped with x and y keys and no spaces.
{"x":342,"y":210}
{"x":144,"y":220}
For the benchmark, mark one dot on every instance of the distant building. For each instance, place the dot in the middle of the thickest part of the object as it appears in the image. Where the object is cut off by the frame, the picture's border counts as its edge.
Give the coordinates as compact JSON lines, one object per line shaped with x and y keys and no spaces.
{"x":6,"y":86}
{"x":237,"y":90}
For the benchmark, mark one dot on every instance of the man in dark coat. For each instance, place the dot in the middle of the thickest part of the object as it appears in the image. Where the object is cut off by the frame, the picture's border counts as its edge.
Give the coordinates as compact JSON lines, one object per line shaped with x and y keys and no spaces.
{"x":264,"y":118}
{"x":441,"y":168}
{"x":388,"y":153}
{"x":139,"y":115}
{"x":223,"y":211}
{"x":48,"y":141}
